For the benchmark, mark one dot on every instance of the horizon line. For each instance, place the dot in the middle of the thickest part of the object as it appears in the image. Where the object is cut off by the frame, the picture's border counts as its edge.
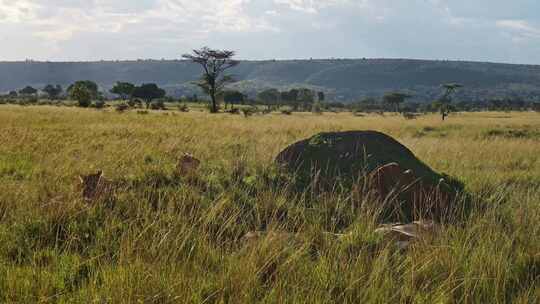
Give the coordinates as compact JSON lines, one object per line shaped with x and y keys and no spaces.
{"x":29,"y":60}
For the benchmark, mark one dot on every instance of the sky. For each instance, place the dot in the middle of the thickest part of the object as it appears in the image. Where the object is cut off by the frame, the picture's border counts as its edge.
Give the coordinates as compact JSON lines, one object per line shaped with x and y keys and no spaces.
{"x":85,"y":30}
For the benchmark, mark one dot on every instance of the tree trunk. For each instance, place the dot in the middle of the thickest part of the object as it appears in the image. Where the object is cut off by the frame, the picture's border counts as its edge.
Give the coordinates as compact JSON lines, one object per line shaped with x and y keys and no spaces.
{"x":214,"y":104}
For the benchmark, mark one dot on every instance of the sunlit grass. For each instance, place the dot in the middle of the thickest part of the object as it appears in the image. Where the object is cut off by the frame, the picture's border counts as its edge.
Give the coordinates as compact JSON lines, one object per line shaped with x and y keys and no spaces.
{"x":167,"y":240}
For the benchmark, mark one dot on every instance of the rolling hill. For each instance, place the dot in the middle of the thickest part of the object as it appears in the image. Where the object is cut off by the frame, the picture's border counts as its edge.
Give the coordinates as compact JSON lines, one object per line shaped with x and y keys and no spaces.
{"x":341,"y":79}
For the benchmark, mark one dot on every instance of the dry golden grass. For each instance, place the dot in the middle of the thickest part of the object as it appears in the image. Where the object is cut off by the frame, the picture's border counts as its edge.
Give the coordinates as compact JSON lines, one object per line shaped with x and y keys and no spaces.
{"x":163,"y":240}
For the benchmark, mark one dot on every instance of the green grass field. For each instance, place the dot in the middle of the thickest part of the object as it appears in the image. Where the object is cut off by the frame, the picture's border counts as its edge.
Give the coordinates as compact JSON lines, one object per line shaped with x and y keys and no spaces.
{"x":163,"y":239}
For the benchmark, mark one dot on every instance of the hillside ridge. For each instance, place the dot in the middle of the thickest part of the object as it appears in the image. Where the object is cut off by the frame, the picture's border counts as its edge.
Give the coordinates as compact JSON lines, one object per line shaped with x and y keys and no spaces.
{"x":341,"y":79}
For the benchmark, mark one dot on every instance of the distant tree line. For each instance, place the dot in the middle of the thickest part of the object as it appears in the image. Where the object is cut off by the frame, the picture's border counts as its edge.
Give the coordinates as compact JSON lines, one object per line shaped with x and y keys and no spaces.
{"x":214,"y":82}
{"x":86,"y":93}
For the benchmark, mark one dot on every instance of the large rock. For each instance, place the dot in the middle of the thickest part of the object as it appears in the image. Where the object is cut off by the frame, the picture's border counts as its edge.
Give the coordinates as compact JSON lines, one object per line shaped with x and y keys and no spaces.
{"x":392,"y":171}
{"x":349,"y":155}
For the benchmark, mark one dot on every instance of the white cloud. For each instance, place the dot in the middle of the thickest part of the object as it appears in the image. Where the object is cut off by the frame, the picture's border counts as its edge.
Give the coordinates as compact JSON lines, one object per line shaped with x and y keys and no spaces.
{"x":117,"y":29}
{"x":522,"y":27}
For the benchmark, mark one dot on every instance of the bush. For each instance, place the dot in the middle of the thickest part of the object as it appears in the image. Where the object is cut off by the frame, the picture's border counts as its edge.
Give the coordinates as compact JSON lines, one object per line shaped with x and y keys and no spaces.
{"x":100,"y":104}
{"x":409,"y":116}
{"x":286,"y":112}
{"x":45,"y":103}
{"x":157,"y":105}
{"x":317,"y":108}
{"x":248,"y":111}
{"x":134,"y":103}
{"x":183,"y":108}
{"x":121,"y":107}
{"x":143,"y":112}
{"x":234,"y":111}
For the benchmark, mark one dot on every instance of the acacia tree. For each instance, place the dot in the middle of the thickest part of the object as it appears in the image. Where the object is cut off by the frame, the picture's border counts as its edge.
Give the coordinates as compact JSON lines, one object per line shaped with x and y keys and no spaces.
{"x":395,"y":99}
{"x":269,"y":97}
{"x":232,"y":97}
{"x":81,"y":93}
{"x":52,"y":91}
{"x":28,"y":91}
{"x":320,"y":97}
{"x":148,"y":92}
{"x":290,"y":98}
{"x":446,"y":99}
{"x":91,"y":86}
{"x":214,"y":64}
{"x":123,"y":89}
{"x":305,"y":98}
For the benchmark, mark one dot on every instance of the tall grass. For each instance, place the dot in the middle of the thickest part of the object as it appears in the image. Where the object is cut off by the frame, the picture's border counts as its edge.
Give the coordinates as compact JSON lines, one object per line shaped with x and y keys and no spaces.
{"x":163,"y":239}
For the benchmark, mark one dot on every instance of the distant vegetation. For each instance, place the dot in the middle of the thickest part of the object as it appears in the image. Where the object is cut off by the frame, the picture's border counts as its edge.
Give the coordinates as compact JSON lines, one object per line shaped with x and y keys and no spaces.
{"x":217,"y":86}
{"x":345,"y":81}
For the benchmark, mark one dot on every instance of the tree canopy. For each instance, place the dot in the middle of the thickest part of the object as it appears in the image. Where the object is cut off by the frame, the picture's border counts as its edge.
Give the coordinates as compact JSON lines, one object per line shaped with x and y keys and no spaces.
{"x":123,"y":89}
{"x":91,"y":86}
{"x":269,"y":97}
{"x":232,"y":97}
{"x":28,"y":90}
{"x":148,"y":92}
{"x":52,"y":91}
{"x":395,"y":99}
{"x":80,"y":92}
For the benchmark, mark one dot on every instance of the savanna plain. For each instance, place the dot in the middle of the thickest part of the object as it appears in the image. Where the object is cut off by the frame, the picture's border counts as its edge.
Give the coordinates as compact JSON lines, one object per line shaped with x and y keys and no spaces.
{"x":163,"y":238}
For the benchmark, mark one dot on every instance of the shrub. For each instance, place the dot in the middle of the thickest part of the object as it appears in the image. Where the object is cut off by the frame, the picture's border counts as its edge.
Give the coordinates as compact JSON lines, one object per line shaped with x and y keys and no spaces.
{"x":357,"y":113}
{"x":143,"y":112}
{"x":247,"y":112}
{"x":409,"y":116}
{"x":234,"y":111}
{"x":100,"y":104}
{"x":44,"y":103}
{"x":157,"y":105}
{"x":121,"y":107}
{"x":286,"y":112}
{"x":134,"y":103}
{"x":183,"y":108}
{"x":317,"y":108}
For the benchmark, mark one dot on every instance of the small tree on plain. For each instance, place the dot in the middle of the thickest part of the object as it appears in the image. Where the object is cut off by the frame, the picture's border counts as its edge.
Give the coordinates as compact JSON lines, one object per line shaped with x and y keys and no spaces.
{"x":53,"y":91}
{"x":123,"y":89}
{"x":269,"y":97}
{"x":28,"y":90}
{"x":81,"y":93}
{"x":90,"y":86}
{"x":232,"y":97}
{"x":305,"y":98}
{"x":395,"y":99}
{"x":320,"y":97}
{"x":214,"y":64}
{"x":148,"y":92}
{"x":446,"y":100}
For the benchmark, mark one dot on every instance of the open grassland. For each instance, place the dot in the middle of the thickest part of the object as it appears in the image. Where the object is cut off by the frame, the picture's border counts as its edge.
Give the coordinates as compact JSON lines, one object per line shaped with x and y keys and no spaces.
{"x":163,"y":239}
